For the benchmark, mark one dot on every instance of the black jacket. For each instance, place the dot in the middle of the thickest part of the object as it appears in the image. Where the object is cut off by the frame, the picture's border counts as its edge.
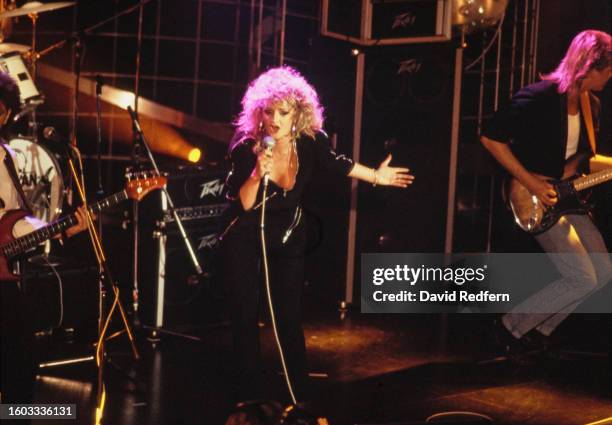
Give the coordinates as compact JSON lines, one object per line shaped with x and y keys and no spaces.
{"x":534,"y":124}
{"x":313,"y":155}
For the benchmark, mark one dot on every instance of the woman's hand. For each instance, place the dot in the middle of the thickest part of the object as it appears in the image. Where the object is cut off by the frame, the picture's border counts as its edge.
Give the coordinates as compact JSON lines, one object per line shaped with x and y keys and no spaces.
{"x":263,"y":165}
{"x":392,"y":176}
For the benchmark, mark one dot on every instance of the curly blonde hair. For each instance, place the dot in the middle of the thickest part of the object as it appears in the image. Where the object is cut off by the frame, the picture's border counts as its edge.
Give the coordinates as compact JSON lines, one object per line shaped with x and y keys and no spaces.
{"x":275,"y":86}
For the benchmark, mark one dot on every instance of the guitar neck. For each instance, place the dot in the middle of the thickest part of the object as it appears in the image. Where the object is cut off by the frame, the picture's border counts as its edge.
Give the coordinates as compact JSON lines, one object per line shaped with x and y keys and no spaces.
{"x":586,"y":182}
{"x":33,"y":239}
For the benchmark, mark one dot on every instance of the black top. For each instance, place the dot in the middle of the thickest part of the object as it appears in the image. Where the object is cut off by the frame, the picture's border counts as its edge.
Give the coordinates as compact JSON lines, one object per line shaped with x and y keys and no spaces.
{"x":534,"y":123}
{"x":312,"y":154}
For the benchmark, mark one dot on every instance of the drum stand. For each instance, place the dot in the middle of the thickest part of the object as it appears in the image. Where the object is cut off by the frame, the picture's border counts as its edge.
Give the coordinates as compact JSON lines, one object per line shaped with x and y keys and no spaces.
{"x":33,"y":55}
{"x":104,"y":316}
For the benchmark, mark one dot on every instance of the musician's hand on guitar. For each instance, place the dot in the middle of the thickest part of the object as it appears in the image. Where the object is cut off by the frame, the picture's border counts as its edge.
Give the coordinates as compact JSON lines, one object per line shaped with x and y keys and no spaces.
{"x":543,"y":190}
{"x":81,"y":222}
{"x":393,"y":176}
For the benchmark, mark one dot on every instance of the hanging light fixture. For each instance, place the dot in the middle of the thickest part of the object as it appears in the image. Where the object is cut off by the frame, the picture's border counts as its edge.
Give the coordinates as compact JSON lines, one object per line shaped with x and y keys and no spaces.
{"x":471,"y":15}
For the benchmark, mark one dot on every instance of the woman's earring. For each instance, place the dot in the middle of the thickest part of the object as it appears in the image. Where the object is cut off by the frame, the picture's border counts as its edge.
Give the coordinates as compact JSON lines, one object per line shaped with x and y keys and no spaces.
{"x":293,"y":129}
{"x":260,"y":128}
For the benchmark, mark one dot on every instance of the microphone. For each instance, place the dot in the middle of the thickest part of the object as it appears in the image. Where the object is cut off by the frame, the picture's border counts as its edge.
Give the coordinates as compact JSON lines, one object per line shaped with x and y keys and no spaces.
{"x":50,"y":133}
{"x":25,"y":111}
{"x":99,"y":84}
{"x":268,"y":143}
{"x":134,"y":120}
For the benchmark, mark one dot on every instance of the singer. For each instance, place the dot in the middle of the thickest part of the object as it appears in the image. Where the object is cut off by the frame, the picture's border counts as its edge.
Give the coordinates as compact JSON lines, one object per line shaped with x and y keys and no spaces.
{"x":279,"y":140}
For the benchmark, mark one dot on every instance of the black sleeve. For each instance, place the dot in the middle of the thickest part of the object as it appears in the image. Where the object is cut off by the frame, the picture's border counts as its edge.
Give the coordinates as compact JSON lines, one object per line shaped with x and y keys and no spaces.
{"x":510,"y":121}
{"x":242,"y":161}
{"x":330,"y":160}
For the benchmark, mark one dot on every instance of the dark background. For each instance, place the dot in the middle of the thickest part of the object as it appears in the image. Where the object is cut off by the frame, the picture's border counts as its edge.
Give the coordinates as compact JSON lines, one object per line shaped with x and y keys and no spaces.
{"x":196,"y":59}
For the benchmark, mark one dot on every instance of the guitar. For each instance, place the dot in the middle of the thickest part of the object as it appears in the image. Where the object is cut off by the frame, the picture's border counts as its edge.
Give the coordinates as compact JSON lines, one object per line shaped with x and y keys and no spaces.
{"x":11,"y":247}
{"x":531,"y":215}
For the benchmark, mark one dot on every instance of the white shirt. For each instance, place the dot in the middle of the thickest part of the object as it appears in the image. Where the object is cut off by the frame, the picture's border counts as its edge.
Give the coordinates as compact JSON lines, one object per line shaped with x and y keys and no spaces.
{"x":12,"y":201}
{"x":573,"y":134}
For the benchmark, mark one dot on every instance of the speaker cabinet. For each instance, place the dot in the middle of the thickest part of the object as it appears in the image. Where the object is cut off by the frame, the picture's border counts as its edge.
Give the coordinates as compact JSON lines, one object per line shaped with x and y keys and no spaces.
{"x":175,"y":295}
{"x":407,"y":111}
{"x":379,"y":22}
{"x":183,"y":298}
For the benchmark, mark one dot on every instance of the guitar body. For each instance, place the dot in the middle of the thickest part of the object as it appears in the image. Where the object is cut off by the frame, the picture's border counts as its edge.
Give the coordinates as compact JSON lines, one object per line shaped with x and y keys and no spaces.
{"x":531,"y":215}
{"x":6,"y":235}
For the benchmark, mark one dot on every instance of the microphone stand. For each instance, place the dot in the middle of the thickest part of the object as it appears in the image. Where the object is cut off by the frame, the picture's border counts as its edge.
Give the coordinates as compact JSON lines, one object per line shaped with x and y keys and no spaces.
{"x":92,"y":28}
{"x":136,"y":166}
{"x":136,"y":158}
{"x":105,"y":316}
{"x":100,"y":192}
{"x":78,"y":49}
{"x":179,"y":222}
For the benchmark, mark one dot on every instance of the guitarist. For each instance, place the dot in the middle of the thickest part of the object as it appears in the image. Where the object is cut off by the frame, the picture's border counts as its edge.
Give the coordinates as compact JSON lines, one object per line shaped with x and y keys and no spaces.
{"x":543,"y":126}
{"x":17,"y":360}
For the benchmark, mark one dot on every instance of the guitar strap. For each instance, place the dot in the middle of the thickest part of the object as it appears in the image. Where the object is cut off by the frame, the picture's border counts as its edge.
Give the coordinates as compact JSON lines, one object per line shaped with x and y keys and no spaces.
{"x":10,"y":167}
{"x":585,"y":105}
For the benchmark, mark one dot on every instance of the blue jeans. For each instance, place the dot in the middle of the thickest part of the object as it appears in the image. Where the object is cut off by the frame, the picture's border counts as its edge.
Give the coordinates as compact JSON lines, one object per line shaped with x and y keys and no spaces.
{"x":580,"y":277}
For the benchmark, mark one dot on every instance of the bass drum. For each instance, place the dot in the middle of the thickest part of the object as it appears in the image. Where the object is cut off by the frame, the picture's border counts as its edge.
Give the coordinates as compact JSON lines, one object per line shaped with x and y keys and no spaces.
{"x":41,"y":178}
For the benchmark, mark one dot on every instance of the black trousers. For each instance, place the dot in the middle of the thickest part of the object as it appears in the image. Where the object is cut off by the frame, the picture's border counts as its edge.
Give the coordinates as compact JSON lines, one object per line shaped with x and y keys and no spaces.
{"x":242,"y":273}
{"x":16,"y":334}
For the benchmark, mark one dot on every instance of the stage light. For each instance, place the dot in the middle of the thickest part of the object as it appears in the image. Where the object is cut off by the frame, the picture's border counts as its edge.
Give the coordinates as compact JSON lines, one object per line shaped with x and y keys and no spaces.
{"x":167,"y":140}
{"x":162,"y":138}
{"x":476,"y":14}
{"x":194,"y":155}
{"x":124,"y":99}
{"x":162,"y":126}
{"x":355,"y":52}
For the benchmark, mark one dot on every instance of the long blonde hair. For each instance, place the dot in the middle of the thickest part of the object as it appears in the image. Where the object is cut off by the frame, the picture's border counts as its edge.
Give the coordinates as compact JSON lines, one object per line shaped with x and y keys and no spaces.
{"x":590,"y":49}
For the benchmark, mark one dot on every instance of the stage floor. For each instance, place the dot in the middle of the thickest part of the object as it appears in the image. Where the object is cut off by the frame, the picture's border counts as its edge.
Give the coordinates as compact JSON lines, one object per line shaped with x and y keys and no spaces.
{"x":366,"y":369}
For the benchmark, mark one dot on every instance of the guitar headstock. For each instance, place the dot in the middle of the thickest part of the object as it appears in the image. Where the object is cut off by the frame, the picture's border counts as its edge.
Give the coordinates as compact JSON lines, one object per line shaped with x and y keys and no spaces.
{"x":140,"y":183}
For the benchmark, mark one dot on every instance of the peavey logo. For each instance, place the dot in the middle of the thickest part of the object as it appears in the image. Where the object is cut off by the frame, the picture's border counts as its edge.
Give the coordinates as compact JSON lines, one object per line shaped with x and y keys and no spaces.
{"x":409,"y":66}
{"x":208,"y":241}
{"x":403,"y":20}
{"x":213,"y":187}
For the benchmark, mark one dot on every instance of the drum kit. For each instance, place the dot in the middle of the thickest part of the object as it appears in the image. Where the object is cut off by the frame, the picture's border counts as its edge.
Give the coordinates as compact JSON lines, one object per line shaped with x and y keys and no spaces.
{"x":37,"y":165}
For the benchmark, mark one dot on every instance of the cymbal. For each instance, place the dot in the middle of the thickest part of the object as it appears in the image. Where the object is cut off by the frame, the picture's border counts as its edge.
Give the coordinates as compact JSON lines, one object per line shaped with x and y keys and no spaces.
{"x":13,"y":47}
{"x":36,"y":7}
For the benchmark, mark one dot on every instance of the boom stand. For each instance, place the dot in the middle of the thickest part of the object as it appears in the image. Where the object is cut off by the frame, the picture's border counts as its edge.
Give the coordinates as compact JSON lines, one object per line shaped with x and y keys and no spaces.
{"x":155,"y":330}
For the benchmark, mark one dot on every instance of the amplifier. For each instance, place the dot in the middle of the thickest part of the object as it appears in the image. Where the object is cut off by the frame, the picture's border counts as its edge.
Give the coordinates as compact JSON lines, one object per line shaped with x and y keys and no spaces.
{"x":182,"y":297}
{"x":196,"y":186}
{"x":195,"y":213}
